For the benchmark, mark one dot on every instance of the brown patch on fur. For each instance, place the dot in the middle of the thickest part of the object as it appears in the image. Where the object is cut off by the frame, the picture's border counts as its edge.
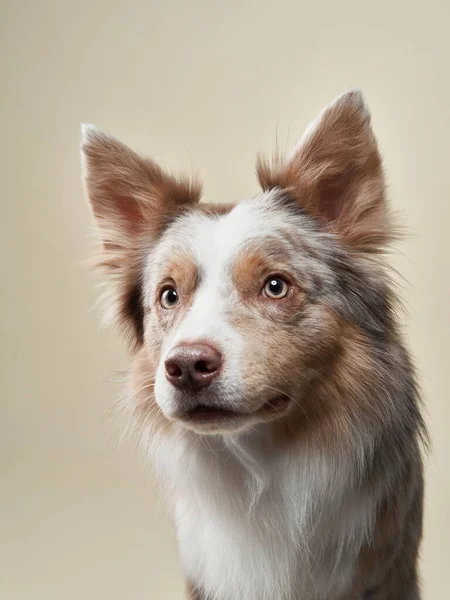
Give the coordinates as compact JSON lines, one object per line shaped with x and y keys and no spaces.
{"x":333,"y":396}
{"x":251,"y":268}
{"x":216,"y":210}
{"x":129,"y":192}
{"x":336,"y":175}
{"x":280,"y":361}
{"x":183,"y":271}
{"x":194,"y":594}
{"x":133,"y":201}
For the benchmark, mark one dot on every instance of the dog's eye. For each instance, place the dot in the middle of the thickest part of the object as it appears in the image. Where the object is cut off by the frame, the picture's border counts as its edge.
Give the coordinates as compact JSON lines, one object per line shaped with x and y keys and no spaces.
{"x":275,"y":288}
{"x":169,"y":298}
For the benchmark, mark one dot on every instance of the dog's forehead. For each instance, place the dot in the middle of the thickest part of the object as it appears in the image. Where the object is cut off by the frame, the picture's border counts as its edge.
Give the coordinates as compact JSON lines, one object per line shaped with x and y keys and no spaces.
{"x":212,"y":240}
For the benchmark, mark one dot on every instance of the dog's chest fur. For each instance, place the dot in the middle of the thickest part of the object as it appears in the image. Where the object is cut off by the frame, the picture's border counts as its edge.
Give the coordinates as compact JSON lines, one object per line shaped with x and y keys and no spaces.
{"x":255,"y":523}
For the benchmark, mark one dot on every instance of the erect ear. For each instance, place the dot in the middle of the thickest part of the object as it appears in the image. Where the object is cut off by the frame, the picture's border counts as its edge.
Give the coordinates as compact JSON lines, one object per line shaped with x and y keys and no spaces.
{"x":335,"y":173}
{"x":129,"y":194}
{"x":132,"y":200}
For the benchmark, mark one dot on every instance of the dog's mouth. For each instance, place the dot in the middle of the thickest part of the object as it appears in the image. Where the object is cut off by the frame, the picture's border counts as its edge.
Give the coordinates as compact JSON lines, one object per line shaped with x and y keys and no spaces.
{"x":215,"y":414}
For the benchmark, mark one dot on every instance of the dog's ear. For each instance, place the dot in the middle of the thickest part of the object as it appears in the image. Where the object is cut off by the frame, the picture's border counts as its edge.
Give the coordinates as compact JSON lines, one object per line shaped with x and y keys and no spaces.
{"x":335,"y":173}
{"x":132,"y":200}
{"x":130,"y":195}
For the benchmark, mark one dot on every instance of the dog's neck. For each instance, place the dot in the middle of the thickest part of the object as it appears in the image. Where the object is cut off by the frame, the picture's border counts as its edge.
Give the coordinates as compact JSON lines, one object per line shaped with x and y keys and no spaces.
{"x":246,"y":505}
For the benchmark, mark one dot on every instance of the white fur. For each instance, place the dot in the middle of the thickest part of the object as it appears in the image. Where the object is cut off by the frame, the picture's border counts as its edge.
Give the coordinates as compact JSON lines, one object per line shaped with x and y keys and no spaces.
{"x":87,"y":129}
{"x":257,"y":524}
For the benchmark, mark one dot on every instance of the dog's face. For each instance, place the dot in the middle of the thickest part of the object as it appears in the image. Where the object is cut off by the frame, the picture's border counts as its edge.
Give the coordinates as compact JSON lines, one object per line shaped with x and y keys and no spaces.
{"x":234,"y":310}
{"x":233,"y":315}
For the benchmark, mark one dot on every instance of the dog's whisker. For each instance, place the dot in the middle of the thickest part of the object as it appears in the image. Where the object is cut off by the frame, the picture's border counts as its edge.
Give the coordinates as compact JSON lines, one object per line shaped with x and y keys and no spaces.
{"x":296,"y":402}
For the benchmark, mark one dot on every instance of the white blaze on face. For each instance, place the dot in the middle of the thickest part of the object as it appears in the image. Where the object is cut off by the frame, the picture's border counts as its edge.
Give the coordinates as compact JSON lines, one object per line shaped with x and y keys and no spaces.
{"x":214,"y":242}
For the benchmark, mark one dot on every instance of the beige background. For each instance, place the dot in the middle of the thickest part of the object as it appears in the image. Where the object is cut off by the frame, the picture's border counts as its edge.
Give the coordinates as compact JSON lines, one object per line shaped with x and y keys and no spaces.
{"x":204,"y":83}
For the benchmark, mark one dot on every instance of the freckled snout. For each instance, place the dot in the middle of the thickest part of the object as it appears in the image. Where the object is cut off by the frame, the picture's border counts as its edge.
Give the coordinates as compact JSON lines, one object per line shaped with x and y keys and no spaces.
{"x":191,"y":367}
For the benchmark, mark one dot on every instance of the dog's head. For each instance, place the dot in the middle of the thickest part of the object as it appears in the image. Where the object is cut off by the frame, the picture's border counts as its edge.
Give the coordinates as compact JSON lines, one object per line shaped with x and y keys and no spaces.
{"x":234,"y":310}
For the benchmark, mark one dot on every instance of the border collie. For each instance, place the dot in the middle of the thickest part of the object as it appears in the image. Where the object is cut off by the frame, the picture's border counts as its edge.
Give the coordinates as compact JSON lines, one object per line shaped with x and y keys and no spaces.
{"x":268,"y":381}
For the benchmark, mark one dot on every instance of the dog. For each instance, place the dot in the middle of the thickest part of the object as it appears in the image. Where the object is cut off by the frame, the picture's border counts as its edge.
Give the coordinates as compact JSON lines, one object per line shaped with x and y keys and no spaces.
{"x":268,"y":380}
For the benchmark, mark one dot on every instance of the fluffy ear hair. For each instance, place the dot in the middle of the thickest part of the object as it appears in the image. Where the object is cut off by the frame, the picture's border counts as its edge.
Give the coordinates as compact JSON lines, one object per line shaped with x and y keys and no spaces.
{"x":133,"y":200}
{"x":335,"y":173}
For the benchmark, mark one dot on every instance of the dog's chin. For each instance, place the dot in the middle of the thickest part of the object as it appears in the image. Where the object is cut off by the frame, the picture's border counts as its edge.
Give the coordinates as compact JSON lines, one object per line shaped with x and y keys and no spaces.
{"x":213,"y":419}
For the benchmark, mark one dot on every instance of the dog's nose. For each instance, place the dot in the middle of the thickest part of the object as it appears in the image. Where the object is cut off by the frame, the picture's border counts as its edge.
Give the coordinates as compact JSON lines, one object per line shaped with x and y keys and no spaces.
{"x":192,"y":366}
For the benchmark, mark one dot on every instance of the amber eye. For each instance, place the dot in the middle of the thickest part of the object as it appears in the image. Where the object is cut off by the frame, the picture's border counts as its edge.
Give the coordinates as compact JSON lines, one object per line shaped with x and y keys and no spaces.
{"x":169,"y":298}
{"x":275,"y":288}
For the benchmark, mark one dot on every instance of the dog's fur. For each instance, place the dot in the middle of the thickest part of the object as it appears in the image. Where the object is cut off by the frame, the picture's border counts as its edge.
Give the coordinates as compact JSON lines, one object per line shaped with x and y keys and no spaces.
{"x":321,"y":499}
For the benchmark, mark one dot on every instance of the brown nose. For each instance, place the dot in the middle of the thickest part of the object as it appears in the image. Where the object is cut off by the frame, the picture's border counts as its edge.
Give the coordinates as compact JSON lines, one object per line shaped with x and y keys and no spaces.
{"x":192,"y":367}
